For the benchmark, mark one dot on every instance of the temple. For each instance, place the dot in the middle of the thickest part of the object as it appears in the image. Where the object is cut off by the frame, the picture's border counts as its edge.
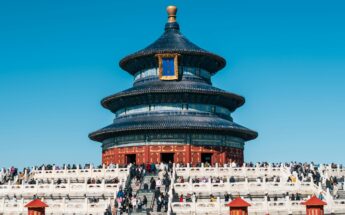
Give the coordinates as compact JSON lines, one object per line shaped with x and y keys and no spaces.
{"x":172,"y":112}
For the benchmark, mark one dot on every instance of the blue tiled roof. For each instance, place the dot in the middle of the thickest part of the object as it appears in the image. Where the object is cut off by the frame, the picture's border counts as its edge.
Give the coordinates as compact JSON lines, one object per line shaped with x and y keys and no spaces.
{"x":181,"y":91}
{"x":165,"y":122}
{"x":172,"y":41}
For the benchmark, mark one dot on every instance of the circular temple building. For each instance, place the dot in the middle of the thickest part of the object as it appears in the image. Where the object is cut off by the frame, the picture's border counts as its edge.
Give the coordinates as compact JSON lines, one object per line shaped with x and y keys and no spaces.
{"x":172,"y":112}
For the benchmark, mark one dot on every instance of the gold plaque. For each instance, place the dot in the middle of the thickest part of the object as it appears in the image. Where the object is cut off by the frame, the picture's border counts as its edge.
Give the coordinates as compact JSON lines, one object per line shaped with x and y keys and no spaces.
{"x":168,"y":66}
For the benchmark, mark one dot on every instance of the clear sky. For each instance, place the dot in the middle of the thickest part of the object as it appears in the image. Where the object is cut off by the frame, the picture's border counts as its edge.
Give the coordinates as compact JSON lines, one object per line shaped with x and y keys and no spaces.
{"x":58,"y":59}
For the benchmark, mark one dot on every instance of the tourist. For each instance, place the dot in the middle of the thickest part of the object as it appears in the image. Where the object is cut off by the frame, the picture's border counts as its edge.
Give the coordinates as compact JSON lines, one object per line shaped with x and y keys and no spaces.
{"x":170,"y":166}
{"x":153,"y":168}
{"x":298,"y":197}
{"x":181,"y":198}
{"x":148,"y":168}
{"x":166,"y":202}
{"x":159,"y":202}
{"x":226,"y":197}
{"x":293,"y":197}
{"x":167,"y":183}
{"x":134,"y":202}
{"x":144,"y":202}
{"x":193,"y":197}
{"x":212,"y":198}
{"x":152,"y":184}
{"x":146,"y":186}
{"x":157,"y":193}
{"x":158,"y":183}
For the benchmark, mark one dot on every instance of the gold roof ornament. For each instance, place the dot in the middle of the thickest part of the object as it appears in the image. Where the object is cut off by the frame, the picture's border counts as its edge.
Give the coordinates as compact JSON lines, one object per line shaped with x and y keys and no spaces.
{"x":172,"y":10}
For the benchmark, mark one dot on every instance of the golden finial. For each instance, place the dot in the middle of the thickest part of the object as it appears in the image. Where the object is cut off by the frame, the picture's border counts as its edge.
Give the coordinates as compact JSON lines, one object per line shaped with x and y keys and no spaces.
{"x":172,"y":10}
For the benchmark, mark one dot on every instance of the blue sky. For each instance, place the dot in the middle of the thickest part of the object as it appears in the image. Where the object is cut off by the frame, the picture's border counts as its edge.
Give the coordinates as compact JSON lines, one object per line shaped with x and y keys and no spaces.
{"x":58,"y":59}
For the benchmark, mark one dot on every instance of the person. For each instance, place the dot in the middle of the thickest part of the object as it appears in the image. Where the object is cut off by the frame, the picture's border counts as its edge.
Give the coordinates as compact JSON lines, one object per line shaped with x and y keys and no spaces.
{"x":275,"y":198}
{"x":166,"y":202}
{"x":144,"y":202}
{"x":335,"y":190}
{"x":170,"y":166}
{"x":159,"y":203}
{"x":193,"y":197}
{"x":120,"y":194}
{"x":134,"y":202}
{"x":212,"y":198}
{"x":139,"y":203}
{"x":167,"y":183}
{"x":181,"y":198}
{"x":153,"y":184}
{"x":226,"y":197}
{"x":148,"y":168}
{"x":146,"y":186}
{"x":321,"y":196}
{"x":298,"y":197}
{"x":153,"y":168}
{"x":157,"y":194}
{"x":158,"y":183}
{"x":293,"y":197}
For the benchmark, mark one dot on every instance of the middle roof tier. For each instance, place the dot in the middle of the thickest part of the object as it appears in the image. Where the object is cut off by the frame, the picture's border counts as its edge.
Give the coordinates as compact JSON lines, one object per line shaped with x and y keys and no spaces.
{"x":173,"y":92}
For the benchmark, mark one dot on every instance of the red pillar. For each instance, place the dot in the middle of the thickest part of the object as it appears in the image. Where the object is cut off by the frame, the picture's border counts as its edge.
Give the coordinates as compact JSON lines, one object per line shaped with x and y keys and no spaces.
{"x":146,"y":154}
{"x":238,"y":207}
{"x":314,"y":206}
{"x":36,"y":207}
{"x":188,"y":154}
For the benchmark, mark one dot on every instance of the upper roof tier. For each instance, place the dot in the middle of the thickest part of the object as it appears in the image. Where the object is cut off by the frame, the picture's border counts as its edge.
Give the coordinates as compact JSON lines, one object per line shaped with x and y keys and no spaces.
{"x":172,"y":41}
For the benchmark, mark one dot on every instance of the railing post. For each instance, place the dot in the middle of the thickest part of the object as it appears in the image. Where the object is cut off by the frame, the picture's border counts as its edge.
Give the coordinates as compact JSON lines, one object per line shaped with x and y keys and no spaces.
{"x":86,"y":205}
{"x":63,"y":204}
{"x":51,"y":186}
{"x":36,"y":187}
{"x":246,"y":185}
{"x":22,"y":205}
{"x":288,"y":205}
{"x":69,"y":185}
{"x":218,"y":205}
{"x":266,"y":205}
{"x":103,"y":184}
{"x":3,"y":205}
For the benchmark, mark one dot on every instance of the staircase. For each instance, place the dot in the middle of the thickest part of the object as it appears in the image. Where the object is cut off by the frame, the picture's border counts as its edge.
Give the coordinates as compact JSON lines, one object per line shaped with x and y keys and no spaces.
{"x":140,"y":191}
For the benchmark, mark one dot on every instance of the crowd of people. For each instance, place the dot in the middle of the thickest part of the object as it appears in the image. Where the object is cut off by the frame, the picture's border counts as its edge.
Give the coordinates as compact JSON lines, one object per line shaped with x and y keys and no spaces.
{"x":160,"y":182}
{"x":7,"y":175}
{"x":304,"y":172}
{"x":126,"y":202}
{"x":157,"y":188}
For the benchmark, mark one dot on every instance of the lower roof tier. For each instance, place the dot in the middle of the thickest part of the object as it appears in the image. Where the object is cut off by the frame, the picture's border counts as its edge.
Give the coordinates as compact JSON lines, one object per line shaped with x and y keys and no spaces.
{"x":173,"y":92}
{"x":170,"y":138}
{"x":173,"y":123}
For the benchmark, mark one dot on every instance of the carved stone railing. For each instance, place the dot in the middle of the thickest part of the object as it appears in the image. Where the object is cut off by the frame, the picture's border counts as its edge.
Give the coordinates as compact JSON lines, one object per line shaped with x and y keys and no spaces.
{"x":70,"y":189}
{"x":249,"y":172}
{"x":244,"y":188}
{"x":257,"y":207}
{"x":58,"y":206}
{"x":99,"y":173}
